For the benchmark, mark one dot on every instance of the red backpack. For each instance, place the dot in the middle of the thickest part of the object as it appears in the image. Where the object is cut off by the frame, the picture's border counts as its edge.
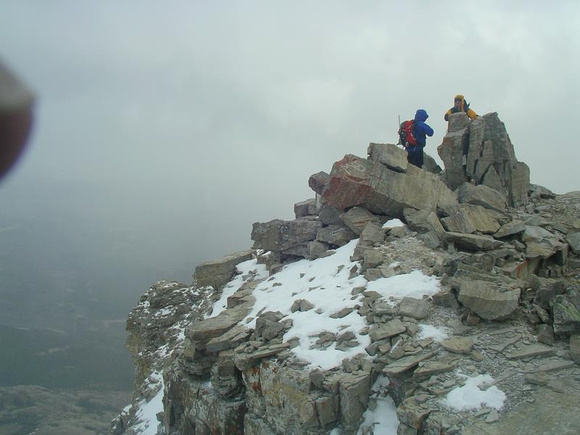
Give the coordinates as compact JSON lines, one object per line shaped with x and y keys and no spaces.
{"x":406,"y":136}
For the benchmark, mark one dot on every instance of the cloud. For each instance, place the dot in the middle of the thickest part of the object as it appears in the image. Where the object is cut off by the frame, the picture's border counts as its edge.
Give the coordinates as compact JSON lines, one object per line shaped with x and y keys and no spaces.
{"x":218,"y":95}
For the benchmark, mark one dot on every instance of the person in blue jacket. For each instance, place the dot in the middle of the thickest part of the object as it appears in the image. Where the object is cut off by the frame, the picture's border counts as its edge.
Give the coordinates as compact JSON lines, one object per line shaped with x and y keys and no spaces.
{"x":420,"y":130}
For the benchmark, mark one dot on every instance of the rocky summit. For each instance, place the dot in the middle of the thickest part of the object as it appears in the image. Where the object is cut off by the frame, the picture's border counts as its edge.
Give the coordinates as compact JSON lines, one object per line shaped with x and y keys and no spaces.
{"x":399,"y":300}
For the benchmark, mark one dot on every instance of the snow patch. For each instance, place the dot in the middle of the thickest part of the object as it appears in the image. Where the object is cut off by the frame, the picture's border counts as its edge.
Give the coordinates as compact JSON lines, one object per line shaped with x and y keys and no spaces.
{"x":471,"y":396}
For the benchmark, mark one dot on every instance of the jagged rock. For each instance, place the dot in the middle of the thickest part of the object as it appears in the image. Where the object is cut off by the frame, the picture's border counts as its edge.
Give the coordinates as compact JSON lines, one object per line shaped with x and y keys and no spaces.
{"x":226,"y":378}
{"x":510,"y":229}
{"x":395,"y":158}
{"x":415,"y":308}
{"x":308,"y":207}
{"x":342,"y":313}
{"x":390,"y":155}
{"x":480,"y":151}
{"x":546,"y":290}
{"x":219,"y":272}
{"x":268,"y":325}
{"x":481,"y":195}
{"x":205,"y":411}
{"x":244,"y":361}
{"x":228,"y":340}
{"x":412,"y":414}
{"x":546,"y":334}
{"x":445,"y":298}
{"x":372,"y":234}
{"x":417,"y":219}
{"x":357,"y":219}
{"x":434,"y":367}
{"x":549,"y":366}
{"x":566,"y":311}
{"x":329,"y":215}
{"x":354,"y":391}
{"x":301,"y":305}
{"x":542,"y":313}
{"x":286,"y":237}
{"x":530,"y":351}
{"x":317,"y":249}
{"x":542,"y":243}
{"x":427,"y":223}
{"x":541,"y":192}
{"x":288,"y":391}
{"x":451,"y":149}
{"x":471,"y":242}
{"x":243,"y":296}
{"x":371,"y":259}
{"x":468,"y":218}
{"x":406,"y":363}
{"x":487,"y":300}
{"x":336,"y":235}
{"x":389,"y":329}
{"x":204,"y":330}
{"x":318,"y":181}
{"x":461,"y":345}
{"x":358,"y":182}
{"x":430,"y":165}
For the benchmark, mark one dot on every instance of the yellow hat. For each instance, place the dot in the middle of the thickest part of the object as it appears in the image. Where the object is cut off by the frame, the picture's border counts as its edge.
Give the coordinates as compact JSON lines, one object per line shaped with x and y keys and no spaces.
{"x":459,"y":97}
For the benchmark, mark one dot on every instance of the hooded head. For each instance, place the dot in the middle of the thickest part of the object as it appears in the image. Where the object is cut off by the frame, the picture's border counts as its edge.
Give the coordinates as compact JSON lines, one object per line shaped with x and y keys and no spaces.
{"x":459,"y":97}
{"x":421,"y":115}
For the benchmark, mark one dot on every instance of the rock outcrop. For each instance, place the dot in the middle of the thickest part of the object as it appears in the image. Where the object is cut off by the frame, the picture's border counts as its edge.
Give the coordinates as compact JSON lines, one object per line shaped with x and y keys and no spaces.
{"x":481,"y":152}
{"x":495,"y":267}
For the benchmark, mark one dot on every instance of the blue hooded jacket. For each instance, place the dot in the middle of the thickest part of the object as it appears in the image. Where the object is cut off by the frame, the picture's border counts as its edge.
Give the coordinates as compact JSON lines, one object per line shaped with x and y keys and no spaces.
{"x":420,"y":129}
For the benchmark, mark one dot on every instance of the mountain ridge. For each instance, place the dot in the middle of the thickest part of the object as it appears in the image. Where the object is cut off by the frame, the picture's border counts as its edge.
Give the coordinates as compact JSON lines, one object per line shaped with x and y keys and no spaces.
{"x":213,"y":357}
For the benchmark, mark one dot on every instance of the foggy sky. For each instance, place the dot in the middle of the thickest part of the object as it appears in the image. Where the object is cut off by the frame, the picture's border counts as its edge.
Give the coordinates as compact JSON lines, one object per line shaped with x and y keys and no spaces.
{"x":199,"y":118}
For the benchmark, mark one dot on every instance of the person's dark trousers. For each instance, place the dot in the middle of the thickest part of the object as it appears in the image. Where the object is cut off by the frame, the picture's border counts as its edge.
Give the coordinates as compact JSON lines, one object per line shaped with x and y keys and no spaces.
{"x":415,"y":156}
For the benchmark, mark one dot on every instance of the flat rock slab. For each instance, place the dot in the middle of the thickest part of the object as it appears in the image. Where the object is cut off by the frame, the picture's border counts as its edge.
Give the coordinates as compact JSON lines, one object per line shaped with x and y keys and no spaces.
{"x":530,"y":351}
{"x":244,"y":361}
{"x":550,"y":366}
{"x":406,"y":363}
{"x":389,"y":329}
{"x":461,"y":345}
{"x":430,"y":368}
{"x":207,"y":329}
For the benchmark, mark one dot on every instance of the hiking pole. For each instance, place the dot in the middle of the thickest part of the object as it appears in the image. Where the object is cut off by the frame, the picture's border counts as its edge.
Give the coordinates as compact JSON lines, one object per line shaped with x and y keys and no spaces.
{"x":399,"y":129}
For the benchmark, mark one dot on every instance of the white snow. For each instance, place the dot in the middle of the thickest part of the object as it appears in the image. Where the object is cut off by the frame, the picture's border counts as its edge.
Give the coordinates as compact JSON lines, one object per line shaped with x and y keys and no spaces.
{"x":471,"y":396}
{"x":414,"y":284}
{"x":393,"y":223}
{"x":430,"y":331}
{"x":147,"y":413}
{"x":234,"y":285}
{"x":325,"y":283}
{"x":383,"y":417}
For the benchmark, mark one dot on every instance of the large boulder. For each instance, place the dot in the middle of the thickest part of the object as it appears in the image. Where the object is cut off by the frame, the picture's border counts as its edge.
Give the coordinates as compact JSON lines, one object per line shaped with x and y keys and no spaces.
{"x":286,"y":237}
{"x":359,"y":182}
{"x":487,"y":299}
{"x":481,"y":195}
{"x":468,"y":218}
{"x":390,"y":155}
{"x":218,"y":273}
{"x":541,"y":243}
{"x":480,"y":151}
{"x":357,"y":219}
{"x":395,"y":158}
